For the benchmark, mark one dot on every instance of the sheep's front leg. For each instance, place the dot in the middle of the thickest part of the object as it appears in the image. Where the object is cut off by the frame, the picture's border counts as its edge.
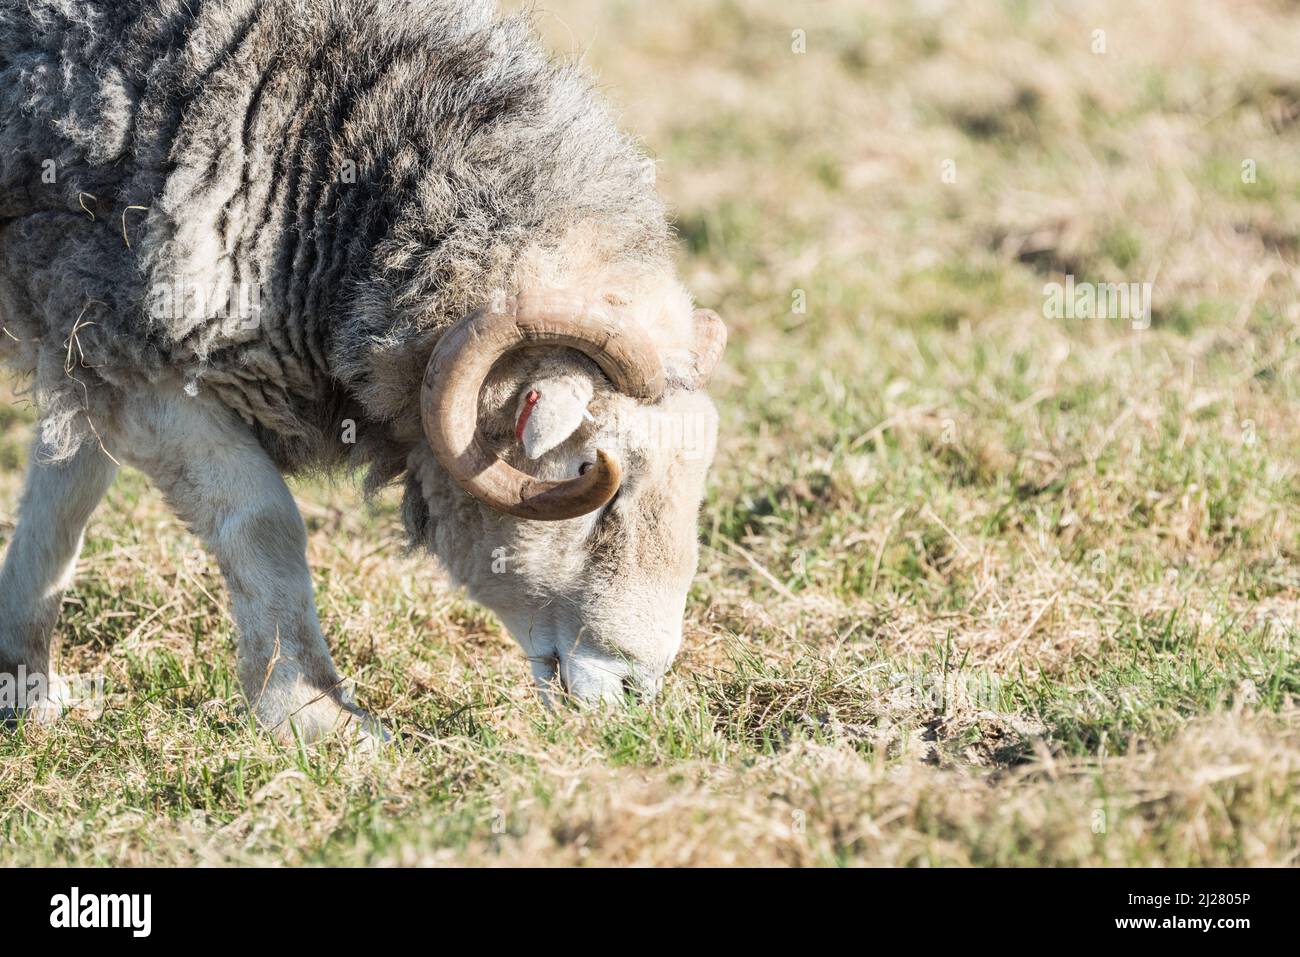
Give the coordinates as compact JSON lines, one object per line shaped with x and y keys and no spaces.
{"x":56,"y":504}
{"x":221,"y":482}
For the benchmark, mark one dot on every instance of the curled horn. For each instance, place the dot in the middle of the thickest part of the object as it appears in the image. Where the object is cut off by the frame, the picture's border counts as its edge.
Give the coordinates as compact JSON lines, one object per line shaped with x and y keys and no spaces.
{"x":460,"y":364}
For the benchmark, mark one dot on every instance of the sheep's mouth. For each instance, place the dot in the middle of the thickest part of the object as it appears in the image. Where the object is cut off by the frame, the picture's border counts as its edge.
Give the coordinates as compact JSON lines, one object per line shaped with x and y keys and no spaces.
{"x":585,"y":681}
{"x":566,"y":664}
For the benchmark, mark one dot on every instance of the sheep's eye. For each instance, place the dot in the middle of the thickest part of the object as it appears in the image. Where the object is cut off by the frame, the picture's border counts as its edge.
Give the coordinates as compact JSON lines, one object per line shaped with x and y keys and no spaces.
{"x":582,"y":469}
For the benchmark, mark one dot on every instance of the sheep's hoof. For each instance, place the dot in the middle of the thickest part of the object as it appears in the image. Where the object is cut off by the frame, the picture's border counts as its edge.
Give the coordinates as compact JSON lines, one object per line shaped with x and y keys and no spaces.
{"x":363,"y":732}
{"x":45,"y":710}
{"x":325,"y":719}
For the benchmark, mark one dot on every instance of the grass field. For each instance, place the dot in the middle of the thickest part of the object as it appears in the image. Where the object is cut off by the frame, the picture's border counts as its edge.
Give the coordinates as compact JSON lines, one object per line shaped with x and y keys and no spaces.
{"x":978,"y":586}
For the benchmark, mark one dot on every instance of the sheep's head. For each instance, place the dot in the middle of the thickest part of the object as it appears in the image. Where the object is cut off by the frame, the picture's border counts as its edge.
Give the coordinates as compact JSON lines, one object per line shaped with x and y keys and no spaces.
{"x":585,"y":453}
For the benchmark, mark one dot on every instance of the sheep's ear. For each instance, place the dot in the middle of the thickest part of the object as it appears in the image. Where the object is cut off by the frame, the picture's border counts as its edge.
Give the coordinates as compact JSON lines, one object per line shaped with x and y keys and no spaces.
{"x":549,"y":411}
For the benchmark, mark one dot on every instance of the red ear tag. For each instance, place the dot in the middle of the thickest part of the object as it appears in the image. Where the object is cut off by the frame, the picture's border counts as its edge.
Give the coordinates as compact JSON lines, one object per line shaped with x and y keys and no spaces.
{"x":529,"y":401}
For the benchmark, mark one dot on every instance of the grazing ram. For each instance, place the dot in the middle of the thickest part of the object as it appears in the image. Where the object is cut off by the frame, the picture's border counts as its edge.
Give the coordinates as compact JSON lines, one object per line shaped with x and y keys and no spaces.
{"x":247,"y":238}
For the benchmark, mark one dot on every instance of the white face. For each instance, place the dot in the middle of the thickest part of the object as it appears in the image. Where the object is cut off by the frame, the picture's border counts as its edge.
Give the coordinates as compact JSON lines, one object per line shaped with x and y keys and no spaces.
{"x":597,"y":601}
